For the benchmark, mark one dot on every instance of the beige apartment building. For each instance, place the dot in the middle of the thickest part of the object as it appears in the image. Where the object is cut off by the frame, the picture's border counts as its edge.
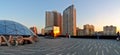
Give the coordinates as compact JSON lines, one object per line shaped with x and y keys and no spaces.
{"x":89,"y":29}
{"x":109,"y":30}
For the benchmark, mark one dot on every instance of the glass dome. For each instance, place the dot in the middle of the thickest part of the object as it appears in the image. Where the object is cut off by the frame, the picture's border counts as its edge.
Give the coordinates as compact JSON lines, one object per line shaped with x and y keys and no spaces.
{"x":13,"y":28}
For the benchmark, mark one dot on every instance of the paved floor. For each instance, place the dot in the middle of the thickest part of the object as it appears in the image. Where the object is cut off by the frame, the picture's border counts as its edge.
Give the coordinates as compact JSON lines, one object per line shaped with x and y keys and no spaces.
{"x":65,"y":46}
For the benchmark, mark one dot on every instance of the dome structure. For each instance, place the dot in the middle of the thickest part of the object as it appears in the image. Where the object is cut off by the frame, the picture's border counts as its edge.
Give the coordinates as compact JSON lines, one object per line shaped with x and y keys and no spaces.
{"x":8,"y":27}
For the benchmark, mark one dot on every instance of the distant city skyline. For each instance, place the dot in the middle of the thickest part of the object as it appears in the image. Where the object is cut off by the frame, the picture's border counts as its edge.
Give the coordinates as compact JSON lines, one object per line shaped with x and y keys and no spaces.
{"x":32,"y":12}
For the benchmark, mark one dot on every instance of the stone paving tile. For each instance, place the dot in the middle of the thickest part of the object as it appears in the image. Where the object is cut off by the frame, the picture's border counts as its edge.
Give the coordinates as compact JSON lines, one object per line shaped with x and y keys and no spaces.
{"x":65,"y":46}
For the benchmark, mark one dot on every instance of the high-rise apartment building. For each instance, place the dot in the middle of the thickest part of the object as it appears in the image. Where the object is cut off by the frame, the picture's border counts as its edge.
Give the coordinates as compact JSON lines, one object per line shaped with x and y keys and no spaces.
{"x":69,"y":21}
{"x":53,"y":18}
{"x":49,"y":19}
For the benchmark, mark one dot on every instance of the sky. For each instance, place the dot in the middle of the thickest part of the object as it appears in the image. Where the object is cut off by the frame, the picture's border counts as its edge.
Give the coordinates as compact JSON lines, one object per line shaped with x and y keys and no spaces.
{"x":32,"y":12}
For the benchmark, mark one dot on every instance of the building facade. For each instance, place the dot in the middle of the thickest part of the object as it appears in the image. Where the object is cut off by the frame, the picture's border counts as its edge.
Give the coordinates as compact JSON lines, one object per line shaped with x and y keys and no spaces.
{"x":89,"y":29}
{"x":53,"y":31}
{"x":49,"y":19}
{"x":69,"y":21}
{"x":80,"y":32}
{"x":109,"y":30}
{"x":53,"y":18}
{"x":43,"y":31}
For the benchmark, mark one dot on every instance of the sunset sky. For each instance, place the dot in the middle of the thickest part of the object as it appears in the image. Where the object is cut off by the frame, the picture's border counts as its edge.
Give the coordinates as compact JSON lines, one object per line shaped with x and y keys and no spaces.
{"x":32,"y":12}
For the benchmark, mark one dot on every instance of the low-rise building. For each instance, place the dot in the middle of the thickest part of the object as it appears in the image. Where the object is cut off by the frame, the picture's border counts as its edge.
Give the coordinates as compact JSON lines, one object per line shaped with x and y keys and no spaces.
{"x":99,"y":33}
{"x":80,"y":32}
{"x":109,"y":30}
{"x":52,"y":30}
{"x":89,"y":29}
{"x":43,"y":31}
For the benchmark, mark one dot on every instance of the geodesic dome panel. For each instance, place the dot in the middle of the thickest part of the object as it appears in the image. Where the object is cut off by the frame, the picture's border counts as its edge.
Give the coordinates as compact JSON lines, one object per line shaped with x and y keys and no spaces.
{"x":13,"y":28}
